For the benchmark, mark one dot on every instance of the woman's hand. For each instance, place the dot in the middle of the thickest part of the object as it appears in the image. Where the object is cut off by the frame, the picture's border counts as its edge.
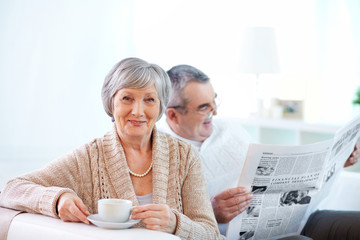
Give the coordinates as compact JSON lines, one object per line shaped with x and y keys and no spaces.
{"x":156,"y":217}
{"x":72,"y":209}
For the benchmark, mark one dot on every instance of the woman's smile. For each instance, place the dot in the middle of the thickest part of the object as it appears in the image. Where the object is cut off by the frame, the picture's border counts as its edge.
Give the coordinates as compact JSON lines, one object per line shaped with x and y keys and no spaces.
{"x":137,"y":122}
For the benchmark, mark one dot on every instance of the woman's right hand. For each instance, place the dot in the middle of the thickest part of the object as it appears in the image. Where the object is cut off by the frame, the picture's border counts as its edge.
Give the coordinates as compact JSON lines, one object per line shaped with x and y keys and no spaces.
{"x":72,"y":209}
{"x":156,"y":217}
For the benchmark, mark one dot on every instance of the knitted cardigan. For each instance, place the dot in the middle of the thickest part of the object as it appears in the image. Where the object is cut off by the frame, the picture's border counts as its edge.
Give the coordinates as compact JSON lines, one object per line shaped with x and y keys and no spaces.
{"x":99,"y":170}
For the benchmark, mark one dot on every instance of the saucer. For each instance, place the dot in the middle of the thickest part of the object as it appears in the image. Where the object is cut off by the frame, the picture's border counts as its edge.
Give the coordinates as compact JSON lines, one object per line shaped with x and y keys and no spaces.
{"x":96,"y":220}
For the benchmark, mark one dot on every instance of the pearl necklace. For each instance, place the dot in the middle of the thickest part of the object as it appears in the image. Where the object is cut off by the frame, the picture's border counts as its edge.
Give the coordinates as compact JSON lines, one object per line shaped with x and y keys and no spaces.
{"x":141,"y":175}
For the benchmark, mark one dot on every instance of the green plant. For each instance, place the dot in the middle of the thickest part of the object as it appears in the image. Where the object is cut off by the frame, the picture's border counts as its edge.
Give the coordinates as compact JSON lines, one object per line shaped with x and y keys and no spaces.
{"x":357,"y":97}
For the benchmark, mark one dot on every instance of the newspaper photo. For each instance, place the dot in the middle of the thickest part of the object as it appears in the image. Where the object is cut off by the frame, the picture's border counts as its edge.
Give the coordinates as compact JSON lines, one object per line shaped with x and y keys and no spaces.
{"x":288,"y":183}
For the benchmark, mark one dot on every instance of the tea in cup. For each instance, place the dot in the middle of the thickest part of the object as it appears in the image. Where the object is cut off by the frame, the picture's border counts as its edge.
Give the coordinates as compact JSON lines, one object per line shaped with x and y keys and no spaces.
{"x":114,"y":210}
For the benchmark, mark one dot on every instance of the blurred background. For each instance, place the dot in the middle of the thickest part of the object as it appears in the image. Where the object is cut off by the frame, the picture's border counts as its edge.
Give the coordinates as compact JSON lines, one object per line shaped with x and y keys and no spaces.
{"x":288,"y":66}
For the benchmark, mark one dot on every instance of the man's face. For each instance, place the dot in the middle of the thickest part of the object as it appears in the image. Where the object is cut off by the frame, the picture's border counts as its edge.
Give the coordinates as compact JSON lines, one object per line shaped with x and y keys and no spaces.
{"x":194,"y":124}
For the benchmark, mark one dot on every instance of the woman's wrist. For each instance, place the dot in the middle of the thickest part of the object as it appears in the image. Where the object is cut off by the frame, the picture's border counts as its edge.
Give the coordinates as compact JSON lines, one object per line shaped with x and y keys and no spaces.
{"x":174,"y":221}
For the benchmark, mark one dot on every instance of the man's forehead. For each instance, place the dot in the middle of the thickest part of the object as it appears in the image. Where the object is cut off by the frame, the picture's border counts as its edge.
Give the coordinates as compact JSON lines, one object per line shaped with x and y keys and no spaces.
{"x":199,"y":93}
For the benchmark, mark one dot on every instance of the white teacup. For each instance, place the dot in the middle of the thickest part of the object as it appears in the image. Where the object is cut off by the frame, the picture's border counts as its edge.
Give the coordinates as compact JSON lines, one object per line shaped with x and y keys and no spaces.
{"x":114,"y":210}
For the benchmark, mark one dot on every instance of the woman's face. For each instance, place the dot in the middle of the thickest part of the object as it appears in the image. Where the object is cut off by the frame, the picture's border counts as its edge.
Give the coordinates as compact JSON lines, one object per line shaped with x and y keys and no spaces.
{"x":136,"y":112}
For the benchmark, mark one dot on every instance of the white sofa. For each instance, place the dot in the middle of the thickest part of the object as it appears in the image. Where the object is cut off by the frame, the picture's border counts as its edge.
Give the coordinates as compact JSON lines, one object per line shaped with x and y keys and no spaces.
{"x":345,"y":193}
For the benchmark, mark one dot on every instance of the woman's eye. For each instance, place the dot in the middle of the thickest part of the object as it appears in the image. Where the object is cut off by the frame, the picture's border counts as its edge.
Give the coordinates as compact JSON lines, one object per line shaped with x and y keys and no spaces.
{"x":126,"y":99}
{"x":150,"y":100}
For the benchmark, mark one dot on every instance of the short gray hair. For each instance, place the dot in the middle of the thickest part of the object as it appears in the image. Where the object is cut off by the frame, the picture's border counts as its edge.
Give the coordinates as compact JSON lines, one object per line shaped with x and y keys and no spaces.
{"x":135,"y":73}
{"x":180,"y":76}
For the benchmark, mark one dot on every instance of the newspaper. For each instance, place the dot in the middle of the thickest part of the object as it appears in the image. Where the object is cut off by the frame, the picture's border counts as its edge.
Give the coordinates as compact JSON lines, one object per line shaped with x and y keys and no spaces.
{"x":288,"y":183}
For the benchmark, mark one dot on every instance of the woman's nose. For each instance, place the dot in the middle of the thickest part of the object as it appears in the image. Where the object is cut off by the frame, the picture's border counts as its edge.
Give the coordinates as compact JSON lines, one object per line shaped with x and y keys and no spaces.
{"x":138,"y":108}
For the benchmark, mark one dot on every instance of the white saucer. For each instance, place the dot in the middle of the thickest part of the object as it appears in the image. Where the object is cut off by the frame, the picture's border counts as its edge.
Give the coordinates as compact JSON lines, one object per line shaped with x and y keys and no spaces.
{"x":96,"y":220}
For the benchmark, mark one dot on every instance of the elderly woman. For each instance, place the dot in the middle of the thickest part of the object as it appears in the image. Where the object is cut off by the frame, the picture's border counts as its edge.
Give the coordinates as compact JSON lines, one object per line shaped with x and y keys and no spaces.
{"x":160,"y":174}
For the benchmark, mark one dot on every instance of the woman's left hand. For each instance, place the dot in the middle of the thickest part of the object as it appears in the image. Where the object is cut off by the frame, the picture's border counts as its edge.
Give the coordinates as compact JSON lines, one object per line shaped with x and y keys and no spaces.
{"x":156,"y":217}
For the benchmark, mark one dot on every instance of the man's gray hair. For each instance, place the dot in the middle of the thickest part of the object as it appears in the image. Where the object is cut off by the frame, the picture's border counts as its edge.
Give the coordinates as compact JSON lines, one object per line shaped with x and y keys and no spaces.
{"x":180,"y":76}
{"x":135,"y":73}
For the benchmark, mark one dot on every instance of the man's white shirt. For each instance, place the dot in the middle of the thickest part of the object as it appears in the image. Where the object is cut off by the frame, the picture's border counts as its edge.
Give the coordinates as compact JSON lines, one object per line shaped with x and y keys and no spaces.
{"x":222,"y":154}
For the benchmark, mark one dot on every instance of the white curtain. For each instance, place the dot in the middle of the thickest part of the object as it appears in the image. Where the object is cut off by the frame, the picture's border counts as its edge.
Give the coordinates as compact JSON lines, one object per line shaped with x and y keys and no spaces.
{"x":353,"y":7}
{"x":338,"y":28}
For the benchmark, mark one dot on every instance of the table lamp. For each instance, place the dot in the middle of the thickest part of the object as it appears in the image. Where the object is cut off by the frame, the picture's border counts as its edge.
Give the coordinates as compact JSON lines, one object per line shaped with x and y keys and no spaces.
{"x":259,"y":55}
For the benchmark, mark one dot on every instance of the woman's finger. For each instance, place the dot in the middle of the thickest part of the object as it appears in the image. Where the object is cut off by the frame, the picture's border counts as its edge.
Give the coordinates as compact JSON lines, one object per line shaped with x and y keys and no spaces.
{"x":156,"y":217}
{"x":66,"y":216}
{"x":148,"y":214}
{"x":152,"y":221}
{"x":68,"y":209}
{"x":79,"y":203}
{"x":148,"y":207}
{"x":78,"y":214}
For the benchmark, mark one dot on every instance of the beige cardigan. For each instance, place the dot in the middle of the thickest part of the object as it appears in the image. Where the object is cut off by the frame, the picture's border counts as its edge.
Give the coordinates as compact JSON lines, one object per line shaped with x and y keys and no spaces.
{"x":99,"y":170}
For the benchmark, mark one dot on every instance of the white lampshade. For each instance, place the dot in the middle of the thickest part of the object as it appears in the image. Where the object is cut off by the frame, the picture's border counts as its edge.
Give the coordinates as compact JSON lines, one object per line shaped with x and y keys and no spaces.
{"x":259,"y":51}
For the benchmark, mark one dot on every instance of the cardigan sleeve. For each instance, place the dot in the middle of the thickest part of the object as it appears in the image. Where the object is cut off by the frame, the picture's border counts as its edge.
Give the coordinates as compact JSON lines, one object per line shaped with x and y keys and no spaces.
{"x":197,"y":220}
{"x":38,"y":191}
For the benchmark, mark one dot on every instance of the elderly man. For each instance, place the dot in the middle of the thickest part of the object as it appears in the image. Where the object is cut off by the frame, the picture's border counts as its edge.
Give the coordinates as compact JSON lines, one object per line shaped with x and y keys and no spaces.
{"x":222,"y":147}
{"x":222,"y":144}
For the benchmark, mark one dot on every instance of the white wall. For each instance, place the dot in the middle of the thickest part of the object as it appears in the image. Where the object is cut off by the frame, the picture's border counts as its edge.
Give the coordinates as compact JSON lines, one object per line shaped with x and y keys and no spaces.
{"x":54,"y":56}
{"x":316,"y":46}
